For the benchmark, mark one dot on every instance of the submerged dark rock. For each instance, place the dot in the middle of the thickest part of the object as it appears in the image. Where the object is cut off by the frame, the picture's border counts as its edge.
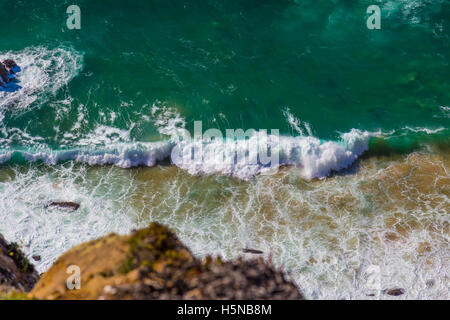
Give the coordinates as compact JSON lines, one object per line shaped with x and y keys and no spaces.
{"x":63,"y":205}
{"x":252,"y":251}
{"x":8,"y":69}
{"x":16,"y":272}
{"x":395,"y":292}
{"x":10,"y":65}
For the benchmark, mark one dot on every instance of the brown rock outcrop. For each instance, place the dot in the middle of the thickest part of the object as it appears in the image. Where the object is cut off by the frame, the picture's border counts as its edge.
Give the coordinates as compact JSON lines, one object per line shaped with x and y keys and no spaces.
{"x":153,"y":264}
{"x":16,"y":272}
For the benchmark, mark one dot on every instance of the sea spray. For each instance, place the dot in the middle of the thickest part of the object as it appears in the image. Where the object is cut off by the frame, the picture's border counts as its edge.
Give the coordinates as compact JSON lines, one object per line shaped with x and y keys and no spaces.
{"x":258,"y":153}
{"x":243,"y":159}
{"x":44,"y":72}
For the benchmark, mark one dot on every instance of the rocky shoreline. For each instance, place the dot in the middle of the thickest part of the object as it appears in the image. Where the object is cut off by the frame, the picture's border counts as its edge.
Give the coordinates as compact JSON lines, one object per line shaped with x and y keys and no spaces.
{"x":151,"y":263}
{"x":17,"y":274}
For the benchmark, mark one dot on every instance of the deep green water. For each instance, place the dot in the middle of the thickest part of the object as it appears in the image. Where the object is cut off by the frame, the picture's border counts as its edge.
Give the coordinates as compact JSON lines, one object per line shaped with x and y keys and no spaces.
{"x":247,"y":60}
{"x":113,"y":92}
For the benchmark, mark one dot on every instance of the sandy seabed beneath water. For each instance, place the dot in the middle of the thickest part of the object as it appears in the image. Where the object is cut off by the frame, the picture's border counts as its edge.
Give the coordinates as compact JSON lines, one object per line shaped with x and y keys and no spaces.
{"x":382,"y":224}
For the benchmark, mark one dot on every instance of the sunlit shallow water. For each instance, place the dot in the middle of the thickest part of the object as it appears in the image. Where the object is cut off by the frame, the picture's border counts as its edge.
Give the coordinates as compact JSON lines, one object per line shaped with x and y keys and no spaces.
{"x":391,"y":213}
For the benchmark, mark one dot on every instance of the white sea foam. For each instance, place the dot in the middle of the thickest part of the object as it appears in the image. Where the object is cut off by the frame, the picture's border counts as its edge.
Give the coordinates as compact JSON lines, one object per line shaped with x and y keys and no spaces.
{"x":325,"y":233}
{"x":445,"y":111}
{"x":167,"y":120}
{"x":315,"y":159}
{"x":44,"y":72}
{"x":296,"y":124}
{"x":415,"y":12}
{"x":49,"y":233}
{"x":5,"y":156}
{"x":424,"y":130}
{"x":105,"y":135}
{"x":121,"y":155}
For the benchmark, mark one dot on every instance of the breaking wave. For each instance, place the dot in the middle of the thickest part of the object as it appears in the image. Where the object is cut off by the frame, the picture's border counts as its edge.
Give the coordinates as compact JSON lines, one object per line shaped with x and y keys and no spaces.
{"x":314,"y":157}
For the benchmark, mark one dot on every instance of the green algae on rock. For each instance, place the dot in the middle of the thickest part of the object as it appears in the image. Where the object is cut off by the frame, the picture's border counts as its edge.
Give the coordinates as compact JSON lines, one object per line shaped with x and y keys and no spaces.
{"x":17,"y":274}
{"x":152,"y":263}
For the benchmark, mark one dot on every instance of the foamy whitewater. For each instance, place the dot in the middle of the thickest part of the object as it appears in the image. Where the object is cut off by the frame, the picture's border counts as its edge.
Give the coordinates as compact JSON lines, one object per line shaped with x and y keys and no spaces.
{"x":46,"y":71}
{"x":355,"y":185}
{"x":237,"y":158}
{"x":43,"y":73}
{"x":315,"y":158}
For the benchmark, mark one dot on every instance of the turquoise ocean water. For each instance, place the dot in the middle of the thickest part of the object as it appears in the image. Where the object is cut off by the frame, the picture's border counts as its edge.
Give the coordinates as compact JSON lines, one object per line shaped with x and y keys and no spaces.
{"x":97,"y":107}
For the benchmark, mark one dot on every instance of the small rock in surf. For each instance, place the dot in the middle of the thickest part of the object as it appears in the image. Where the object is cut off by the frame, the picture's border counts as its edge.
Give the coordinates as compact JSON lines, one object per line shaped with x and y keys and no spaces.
{"x":8,"y":70}
{"x":63,"y":205}
{"x":395,"y":292}
{"x":252,"y":251}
